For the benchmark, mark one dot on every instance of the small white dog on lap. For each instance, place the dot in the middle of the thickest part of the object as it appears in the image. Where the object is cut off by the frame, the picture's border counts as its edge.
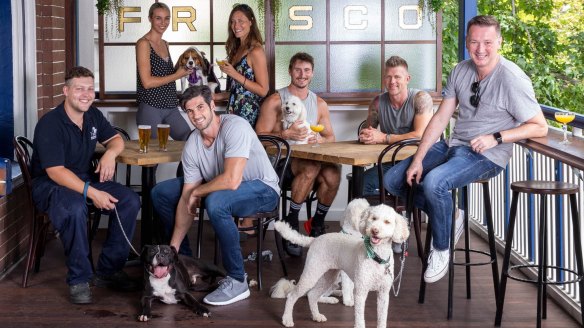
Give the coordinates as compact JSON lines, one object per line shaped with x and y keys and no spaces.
{"x":293,"y":110}
{"x":368,"y":262}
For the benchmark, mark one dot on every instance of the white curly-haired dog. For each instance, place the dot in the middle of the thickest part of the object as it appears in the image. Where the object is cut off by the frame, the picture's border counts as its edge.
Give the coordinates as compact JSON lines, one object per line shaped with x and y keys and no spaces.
{"x":368,"y":262}
{"x":350,"y":226}
{"x":293,"y":110}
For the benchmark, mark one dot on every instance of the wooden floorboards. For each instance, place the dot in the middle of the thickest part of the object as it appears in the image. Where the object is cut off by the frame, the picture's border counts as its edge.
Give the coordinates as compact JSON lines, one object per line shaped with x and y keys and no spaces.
{"x":45,"y":303}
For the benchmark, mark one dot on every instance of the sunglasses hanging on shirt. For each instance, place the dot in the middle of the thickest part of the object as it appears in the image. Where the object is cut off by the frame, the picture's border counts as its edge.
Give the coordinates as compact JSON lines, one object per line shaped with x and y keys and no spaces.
{"x":476,"y":89}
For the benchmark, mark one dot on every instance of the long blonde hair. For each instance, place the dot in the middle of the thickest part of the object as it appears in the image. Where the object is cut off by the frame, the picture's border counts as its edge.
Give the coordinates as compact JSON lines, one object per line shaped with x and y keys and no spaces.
{"x":254,"y":38}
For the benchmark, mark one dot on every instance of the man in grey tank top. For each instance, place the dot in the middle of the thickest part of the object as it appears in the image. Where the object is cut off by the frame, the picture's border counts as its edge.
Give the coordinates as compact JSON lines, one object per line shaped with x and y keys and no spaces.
{"x":496,"y":107}
{"x":223,"y":161}
{"x":303,"y":174}
{"x":401,"y":113}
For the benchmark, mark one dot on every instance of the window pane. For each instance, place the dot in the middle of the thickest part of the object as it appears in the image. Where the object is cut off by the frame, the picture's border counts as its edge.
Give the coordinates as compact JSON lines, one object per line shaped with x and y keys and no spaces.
{"x":403,"y":22}
{"x":219,"y":53}
{"x":189,"y":21}
{"x":221,"y":11}
{"x":120,"y":69}
{"x":421,"y":60}
{"x":301,"y":20}
{"x":355,"y":68}
{"x":353,"y":20}
{"x":285,"y":52}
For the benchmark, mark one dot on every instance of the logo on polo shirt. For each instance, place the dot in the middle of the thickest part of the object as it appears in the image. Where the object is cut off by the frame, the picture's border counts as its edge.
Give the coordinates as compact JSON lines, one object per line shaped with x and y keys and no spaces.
{"x":93,"y":133}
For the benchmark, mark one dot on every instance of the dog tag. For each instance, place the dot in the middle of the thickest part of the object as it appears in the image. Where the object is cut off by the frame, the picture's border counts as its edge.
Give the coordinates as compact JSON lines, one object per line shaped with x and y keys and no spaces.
{"x":387,"y":269}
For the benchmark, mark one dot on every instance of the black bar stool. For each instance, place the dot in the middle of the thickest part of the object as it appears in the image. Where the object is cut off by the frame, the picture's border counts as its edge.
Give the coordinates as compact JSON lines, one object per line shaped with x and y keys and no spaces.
{"x":542,"y":188}
{"x":492,"y":253}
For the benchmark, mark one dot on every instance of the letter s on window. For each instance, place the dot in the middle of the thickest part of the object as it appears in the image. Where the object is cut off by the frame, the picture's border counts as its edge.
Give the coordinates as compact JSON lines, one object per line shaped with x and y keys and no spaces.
{"x":297,"y":18}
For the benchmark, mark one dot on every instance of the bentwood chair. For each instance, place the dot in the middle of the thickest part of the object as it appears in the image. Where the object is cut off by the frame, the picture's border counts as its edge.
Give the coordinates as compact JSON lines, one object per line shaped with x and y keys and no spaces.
{"x":39,"y":221}
{"x":394,"y":201}
{"x":281,"y":152}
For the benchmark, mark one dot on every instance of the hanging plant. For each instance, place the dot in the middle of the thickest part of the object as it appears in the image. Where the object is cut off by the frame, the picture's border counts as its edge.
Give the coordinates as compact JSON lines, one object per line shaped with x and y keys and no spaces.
{"x":261,"y":14}
{"x":429,"y":9}
{"x":110,"y":9}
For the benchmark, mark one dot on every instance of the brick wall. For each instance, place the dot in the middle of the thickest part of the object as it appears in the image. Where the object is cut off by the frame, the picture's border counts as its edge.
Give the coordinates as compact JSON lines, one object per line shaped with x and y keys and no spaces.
{"x":51,"y":65}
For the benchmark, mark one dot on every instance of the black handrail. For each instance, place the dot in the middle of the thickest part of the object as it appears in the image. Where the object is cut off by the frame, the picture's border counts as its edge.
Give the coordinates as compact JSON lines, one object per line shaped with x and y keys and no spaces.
{"x":549,"y":111}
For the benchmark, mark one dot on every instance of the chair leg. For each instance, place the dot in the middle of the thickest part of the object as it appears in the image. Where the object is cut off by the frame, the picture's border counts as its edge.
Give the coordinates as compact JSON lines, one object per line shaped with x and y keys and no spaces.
{"x":491,"y":237}
{"x":200,"y":232}
{"x":506,"y":258}
{"x":40,"y":240}
{"x":418,"y":232}
{"x":280,"y":248}
{"x":259,"y":257}
{"x":578,"y":248}
{"x":32,"y":241}
{"x":466,"y":240}
{"x":542,"y":258}
{"x":422,"y":293}
{"x":451,"y":261}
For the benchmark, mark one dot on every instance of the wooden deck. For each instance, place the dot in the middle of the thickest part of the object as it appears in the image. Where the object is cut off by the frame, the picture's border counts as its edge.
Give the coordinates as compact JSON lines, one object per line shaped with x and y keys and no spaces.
{"x":45,"y":303}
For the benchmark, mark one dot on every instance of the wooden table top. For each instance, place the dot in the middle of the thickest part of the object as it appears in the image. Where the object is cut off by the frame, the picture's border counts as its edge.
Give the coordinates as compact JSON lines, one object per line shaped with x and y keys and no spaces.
{"x":131,"y":154}
{"x":549,"y":145}
{"x":347,"y":152}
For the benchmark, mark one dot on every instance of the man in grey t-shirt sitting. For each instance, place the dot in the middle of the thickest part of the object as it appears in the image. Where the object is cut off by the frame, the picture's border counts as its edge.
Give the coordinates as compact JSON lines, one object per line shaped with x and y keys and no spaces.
{"x":400,"y":112}
{"x":496,"y":107}
{"x":223,"y":161}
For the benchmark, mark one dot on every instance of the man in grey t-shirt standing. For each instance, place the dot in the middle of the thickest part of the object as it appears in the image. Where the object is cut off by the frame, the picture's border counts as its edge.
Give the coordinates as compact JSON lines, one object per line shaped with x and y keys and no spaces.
{"x":496,"y":107}
{"x":225,"y":162}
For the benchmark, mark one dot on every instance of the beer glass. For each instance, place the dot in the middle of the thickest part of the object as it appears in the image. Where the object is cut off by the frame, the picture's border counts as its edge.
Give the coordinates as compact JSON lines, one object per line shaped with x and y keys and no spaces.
{"x":144,"y":137}
{"x":163,"y":132}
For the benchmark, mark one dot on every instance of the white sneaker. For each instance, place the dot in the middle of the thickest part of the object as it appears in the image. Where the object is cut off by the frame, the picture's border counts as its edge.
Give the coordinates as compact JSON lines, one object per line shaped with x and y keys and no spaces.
{"x":457,"y":233}
{"x":437,"y":265}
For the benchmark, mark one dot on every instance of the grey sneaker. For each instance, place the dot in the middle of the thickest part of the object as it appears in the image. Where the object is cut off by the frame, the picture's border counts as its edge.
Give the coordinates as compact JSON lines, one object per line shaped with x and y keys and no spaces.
{"x":397,"y":247}
{"x":229,"y":291}
{"x":80,"y":293}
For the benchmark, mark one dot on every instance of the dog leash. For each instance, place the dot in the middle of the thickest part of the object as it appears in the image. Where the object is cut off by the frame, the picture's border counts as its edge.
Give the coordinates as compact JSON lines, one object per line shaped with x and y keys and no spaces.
{"x":405,"y":245}
{"x":124,"y":232}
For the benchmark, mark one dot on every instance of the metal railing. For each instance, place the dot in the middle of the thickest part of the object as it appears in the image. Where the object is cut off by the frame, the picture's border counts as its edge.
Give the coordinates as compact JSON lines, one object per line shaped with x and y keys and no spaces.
{"x":527,"y":164}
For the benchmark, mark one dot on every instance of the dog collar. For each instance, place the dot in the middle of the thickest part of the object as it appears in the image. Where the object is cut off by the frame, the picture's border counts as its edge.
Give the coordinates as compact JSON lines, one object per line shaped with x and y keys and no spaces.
{"x":346,"y":233}
{"x":371,"y":253}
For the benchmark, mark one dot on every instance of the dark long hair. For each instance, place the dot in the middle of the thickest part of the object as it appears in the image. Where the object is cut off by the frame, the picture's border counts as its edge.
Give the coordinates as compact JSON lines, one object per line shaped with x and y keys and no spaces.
{"x":254,"y":38}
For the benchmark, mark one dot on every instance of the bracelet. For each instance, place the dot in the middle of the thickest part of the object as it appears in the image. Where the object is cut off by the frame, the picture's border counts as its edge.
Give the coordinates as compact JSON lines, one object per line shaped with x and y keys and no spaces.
{"x":85,"y":190}
{"x":245,"y":80}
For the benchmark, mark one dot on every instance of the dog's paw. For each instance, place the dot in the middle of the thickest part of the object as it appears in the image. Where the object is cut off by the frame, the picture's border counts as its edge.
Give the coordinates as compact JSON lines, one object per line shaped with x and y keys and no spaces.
{"x":143,"y":318}
{"x":328,"y":300}
{"x":319,"y":317}
{"x":348,"y":302}
{"x":253,"y":283}
{"x":288,"y":322}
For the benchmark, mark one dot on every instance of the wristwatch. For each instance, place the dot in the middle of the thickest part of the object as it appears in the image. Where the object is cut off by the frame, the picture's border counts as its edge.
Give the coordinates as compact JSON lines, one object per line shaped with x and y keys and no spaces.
{"x":498,"y":137}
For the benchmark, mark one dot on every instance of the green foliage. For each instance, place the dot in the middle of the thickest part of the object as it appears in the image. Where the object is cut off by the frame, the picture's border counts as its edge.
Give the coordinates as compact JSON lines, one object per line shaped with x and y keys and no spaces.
{"x":544,"y":37}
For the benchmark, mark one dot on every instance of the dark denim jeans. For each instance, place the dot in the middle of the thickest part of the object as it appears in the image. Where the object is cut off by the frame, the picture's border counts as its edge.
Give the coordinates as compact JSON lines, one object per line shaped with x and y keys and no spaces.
{"x":251,"y":197}
{"x":445,"y":168}
{"x":68,"y":213}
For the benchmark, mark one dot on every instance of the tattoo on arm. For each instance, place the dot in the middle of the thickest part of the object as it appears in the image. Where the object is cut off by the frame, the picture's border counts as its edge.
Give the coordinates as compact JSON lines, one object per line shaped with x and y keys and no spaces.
{"x":422,"y":102}
{"x":373,"y":118}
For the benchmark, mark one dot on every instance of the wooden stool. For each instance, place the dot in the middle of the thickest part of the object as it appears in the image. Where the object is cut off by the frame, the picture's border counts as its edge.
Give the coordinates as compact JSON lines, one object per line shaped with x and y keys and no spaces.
{"x":542,"y":188}
{"x":492,"y":253}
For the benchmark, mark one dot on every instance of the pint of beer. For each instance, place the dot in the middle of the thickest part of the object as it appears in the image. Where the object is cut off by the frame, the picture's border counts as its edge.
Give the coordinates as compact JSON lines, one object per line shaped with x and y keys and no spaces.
{"x":144,"y":137}
{"x":163,"y":132}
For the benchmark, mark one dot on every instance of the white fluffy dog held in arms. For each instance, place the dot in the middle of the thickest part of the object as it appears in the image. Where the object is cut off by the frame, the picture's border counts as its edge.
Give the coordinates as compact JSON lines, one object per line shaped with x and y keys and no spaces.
{"x":368,"y":262}
{"x":293,"y":110}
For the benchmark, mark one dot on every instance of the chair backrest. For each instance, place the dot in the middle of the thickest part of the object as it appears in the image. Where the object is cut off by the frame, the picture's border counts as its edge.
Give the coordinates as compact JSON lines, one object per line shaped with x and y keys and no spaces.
{"x":398,"y":146}
{"x":23,"y":148}
{"x":362,"y":125}
{"x":282,"y":153}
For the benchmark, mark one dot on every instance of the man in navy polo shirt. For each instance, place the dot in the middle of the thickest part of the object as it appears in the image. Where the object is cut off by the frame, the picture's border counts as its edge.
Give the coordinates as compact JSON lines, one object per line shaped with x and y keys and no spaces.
{"x":63,"y":182}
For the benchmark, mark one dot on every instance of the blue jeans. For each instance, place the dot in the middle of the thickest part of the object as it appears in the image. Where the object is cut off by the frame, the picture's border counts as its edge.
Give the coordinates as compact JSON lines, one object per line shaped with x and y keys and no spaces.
{"x":68,"y":214}
{"x":371,"y":180}
{"x":445,"y":168}
{"x":165,"y":197}
{"x":251,"y":197}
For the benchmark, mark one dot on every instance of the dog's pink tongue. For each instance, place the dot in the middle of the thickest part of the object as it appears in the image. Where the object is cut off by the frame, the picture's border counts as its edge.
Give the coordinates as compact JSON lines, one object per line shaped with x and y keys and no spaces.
{"x":375,"y":241}
{"x":160,"y":271}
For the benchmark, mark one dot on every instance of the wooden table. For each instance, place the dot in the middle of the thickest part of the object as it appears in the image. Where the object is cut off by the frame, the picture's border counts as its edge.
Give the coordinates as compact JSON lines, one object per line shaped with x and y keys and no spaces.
{"x":351,"y":153}
{"x":572,"y":154}
{"x":148,"y":162}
